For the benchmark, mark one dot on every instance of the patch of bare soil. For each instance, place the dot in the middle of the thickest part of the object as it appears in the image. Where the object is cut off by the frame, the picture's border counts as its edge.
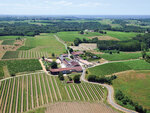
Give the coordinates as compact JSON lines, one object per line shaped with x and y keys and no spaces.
{"x":1,"y":54}
{"x":75,"y":107}
{"x":84,"y":46}
{"x":6,"y":72}
{"x":1,"y":42}
{"x":104,"y":38}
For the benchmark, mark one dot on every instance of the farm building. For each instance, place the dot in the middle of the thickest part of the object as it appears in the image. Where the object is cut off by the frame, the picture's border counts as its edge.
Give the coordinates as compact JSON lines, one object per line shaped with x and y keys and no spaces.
{"x":77,"y":53}
{"x":66,"y":70}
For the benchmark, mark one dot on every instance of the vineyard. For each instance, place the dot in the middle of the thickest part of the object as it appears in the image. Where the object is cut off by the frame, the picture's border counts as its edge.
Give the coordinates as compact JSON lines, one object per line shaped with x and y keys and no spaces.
{"x":23,"y":93}
{"x":32,"y":54}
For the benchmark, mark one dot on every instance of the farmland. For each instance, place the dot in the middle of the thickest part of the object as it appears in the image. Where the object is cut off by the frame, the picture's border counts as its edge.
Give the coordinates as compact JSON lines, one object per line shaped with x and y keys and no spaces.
{"x":8,"y":42}
{"x":17,"y":66}
{"x":45,"y":43}
{"x":34,"y":90}
{"x":121,"y":56}
{"x":110,"y":68}
{"x":134,"y":84}
{"x":11,"y":54}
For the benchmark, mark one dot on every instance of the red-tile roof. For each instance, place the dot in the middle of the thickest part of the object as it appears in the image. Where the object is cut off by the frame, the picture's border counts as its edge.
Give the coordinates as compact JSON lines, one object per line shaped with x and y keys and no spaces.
{"x":77,"y":53}
{"x":79,"y":68}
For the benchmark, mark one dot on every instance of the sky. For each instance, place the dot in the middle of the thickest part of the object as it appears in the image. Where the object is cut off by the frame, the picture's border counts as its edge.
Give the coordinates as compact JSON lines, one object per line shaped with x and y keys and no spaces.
{"x":75,"y":7}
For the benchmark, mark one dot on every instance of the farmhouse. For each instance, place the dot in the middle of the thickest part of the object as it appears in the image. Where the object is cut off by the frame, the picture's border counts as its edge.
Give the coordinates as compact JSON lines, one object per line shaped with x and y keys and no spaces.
{"x":77,"y":53}
{"x":66,"y":70}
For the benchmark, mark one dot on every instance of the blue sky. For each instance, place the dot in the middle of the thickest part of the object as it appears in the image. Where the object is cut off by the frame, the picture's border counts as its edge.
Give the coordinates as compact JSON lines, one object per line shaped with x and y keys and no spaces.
{"x":75,"y":7}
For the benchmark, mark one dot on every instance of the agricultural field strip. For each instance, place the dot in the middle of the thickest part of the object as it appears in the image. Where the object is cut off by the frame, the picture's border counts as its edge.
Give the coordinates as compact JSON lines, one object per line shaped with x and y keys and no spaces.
{"x":58,"y":89}
{"x":22,"y":94}
{"x":72,"y":93}
{"x":4,"y":107}
{"x":76,"y":92}
{"x":49,"y":89}
{"x":53,"y":89}
{"x":2,"y":94}
{"x":89,"y":85}
{"x":100,"y":90}
{"x":67,"y":93}
{"x":17,"y":97}
{"x":12,"y":96}
{"x":37,"y":100}
{"x":45,"y":89}
{"x":27,"y":93}
{"x":81,"y":92}
{"x":97,"y":91}
{"x":40,"y":90}
{"x":89,"y":91}
{"x":31,"y":92}
{"x":85,"y":92}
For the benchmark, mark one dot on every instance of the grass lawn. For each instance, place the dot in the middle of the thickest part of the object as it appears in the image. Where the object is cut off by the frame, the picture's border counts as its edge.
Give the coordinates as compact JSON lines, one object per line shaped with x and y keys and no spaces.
{"x":121,"y":56}
{"x":72,"y":35}
{"x":110,"y":68}
{"x":45,"y":43}
{"x":135,"y":85}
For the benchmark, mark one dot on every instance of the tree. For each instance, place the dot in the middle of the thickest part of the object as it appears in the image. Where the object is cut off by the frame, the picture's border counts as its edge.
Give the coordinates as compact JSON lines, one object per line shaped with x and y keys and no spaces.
{"x":76,"y":78}
{"x":82,"y":32}
{"x":43,"y":57}
{"x":143,"y":54}
{"x":53,"y":65}
{"x":53,"y":54}
{"x":60,"y":76}
{"x":92,"y":78}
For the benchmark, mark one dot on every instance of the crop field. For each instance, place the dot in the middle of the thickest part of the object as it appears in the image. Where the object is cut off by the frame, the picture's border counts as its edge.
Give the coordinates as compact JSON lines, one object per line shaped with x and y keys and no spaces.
{"x":8,"y":42}
{"x":71,"y":36}
{"x":32,"y":54}
{"x":121,"y":35}
{"x":11,"y":55}
{"x":8,"y":37}
{"x":45,"y":43}
{"x":110,"y":68}
{"x":135,"y":85}
{"x":121,"y":56}
{"x":24,"y":93}
{"x":17,"y":66}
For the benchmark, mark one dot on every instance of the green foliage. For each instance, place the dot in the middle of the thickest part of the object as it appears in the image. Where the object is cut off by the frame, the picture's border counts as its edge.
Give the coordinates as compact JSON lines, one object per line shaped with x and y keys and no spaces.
{"x":76,"y":78}
{"x":8,"y":42}
{"x":25,"y":48}
{"x":1,"y":72}
{"x":16,"y":66}
{"x":60,"y":76}
{"x":11,"y":54}
{"x":54,"y":65}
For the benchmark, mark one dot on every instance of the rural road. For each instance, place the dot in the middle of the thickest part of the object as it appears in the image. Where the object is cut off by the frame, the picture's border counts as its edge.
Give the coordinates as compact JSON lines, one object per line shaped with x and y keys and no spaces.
{"x":110,"y":98}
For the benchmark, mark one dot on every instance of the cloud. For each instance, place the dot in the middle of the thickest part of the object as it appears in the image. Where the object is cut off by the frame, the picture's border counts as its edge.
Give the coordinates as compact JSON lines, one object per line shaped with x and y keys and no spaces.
{"x":63,"y":3}
{"x":92,"y":4}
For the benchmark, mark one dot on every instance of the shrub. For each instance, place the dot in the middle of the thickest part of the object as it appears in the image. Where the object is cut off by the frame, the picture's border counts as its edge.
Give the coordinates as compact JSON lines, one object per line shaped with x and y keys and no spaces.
{"x":76,"y":78}
{"x":60,"y":76}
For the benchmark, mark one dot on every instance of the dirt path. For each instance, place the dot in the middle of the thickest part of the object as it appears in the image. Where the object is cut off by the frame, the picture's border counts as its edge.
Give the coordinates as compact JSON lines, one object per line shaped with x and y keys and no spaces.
{"x":85,"y":93}
{"x":6,"y":72}
{"x":22,"y":94}
{"x":37,"y":100}
{"x":72,"y":93}
{"x":43,"y":67}
{"x":76,"y":92}
{"x":31,"y":93}
{"x":80,"y":92}
{"x":58,"y":89}
{"x":45,"y":89}
{"x":41,"y":90}
{"x":67,"y":93}
{"x":12,"y":96}
{"x":17,"y":97}
{"x":49,"y":89}
{"x":53,"y":89}
{"x":6,"y":97}
{"x":27,"y":93}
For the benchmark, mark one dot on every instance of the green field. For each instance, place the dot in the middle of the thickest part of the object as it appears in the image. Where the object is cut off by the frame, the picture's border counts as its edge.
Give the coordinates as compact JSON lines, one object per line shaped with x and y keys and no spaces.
{"x":135,"y":85}
{"x":11,"y":54}
{"x":8,"y":37}
{"x":121,"y":35}
{"x":45,"y":43}
{"x":8,"y":42}
{"x":121,"y":56}
{"x":72,"y":35}
{"x":49,"y":90}
{"x":110,"y":68}
{"x":17,"y":66}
